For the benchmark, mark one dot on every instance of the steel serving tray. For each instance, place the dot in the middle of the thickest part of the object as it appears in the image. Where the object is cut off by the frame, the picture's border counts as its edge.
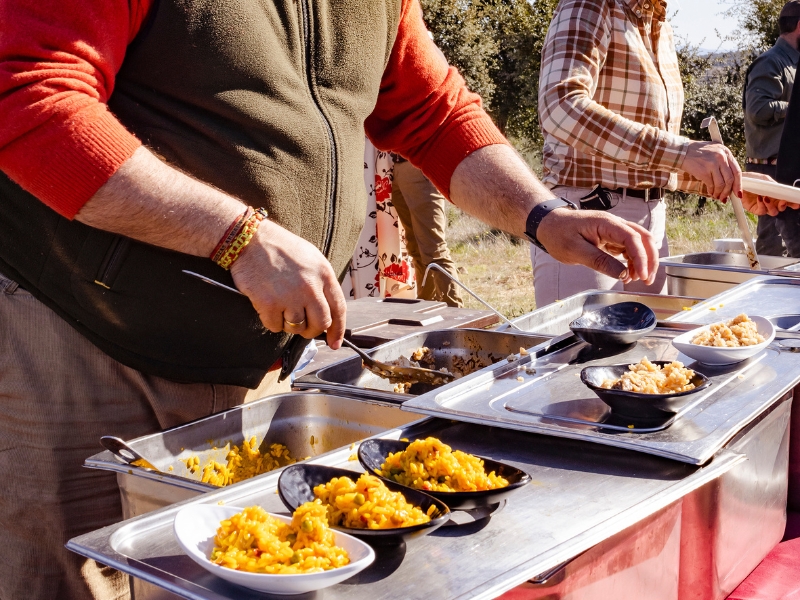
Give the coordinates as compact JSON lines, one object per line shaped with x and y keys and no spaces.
{"x":309,"y":424}
{"x":554,"y":319}
{"x":348,"y":378}
{"x":544,"y":394}
{"x":765,"y":296}
{"x":581,"y":494}
{"x":704,"y":274}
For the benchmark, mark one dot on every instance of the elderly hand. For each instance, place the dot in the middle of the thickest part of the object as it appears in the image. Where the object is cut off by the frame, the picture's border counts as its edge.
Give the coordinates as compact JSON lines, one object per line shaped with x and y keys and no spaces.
{"x":762,"y":205}
{"x":715,"y":166}
{"x":594,"y":238}
{"x":291,"y":285}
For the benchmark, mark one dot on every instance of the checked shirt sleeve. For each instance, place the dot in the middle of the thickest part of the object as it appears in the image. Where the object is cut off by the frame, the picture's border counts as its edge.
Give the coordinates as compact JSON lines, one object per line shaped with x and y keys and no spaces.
{"x":575,"y":51}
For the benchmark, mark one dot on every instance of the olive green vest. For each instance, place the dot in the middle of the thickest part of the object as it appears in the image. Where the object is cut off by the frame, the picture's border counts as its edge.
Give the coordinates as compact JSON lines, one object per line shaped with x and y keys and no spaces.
{"x":264,"y":100}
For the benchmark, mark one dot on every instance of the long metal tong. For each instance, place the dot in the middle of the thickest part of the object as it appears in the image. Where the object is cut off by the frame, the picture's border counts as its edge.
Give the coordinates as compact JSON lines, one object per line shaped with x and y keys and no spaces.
{"x":394,"y":373}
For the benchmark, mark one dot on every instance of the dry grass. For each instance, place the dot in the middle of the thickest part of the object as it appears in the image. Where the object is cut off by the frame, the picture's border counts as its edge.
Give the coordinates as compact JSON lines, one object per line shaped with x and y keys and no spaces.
{"x":498,"y":268}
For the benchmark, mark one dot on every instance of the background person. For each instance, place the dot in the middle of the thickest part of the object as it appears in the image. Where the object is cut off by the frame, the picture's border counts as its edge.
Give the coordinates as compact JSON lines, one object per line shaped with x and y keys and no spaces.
{"x":610,"y":102}
{"x":423,"y":212}
{"x":768,"y":88}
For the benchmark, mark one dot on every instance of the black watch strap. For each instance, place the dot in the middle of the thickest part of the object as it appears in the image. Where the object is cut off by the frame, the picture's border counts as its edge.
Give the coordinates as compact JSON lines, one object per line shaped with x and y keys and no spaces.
{"x":539,"y":212}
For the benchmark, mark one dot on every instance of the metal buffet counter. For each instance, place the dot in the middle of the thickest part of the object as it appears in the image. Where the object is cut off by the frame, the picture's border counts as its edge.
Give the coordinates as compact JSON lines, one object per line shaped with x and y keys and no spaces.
{"x":684,"y":508}
{"x":580,"y":496}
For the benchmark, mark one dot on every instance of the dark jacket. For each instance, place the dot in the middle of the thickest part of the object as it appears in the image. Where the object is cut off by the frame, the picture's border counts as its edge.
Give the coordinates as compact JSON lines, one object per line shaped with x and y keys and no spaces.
{"x":769,"y":84}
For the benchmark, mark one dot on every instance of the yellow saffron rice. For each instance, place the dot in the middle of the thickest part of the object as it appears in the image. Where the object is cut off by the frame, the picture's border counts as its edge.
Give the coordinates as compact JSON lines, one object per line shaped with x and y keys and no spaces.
{"x":432,"y":465}
{"x":739,"y":331}
{"x":368,"y":504}
{"x":243,"y":462}
{"x":255,"y":542}
{"x":646,"y":378}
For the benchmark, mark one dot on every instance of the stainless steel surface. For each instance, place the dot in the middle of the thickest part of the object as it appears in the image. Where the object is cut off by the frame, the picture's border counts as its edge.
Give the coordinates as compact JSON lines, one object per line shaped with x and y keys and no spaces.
{"x":733,"y":522}
{"x":212,"y":282}
{"x":308,"y":424}
{"x":738,"y":209}
{"x":441,"y":270}
{"x":554,"y":401}
{"x":450,"y":348}
{"x":554,"y":319}
{"x":704,"y":274}
{"x":581,"y":495}
{"x":397,"y":374}
{"x":764,"y":296}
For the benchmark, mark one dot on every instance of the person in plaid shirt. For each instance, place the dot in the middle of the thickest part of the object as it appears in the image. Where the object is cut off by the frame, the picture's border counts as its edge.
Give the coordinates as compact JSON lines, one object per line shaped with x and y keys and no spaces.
{"x":610,"y":105}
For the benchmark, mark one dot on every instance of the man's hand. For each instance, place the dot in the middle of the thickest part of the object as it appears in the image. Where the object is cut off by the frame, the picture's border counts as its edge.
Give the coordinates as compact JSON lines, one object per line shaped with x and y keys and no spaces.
{"x":715,"y":166}
{"x":593,"y":239}
{"x":291,"y":285}
{"x":496,"y":186}
{"x":286,"y":278}
{"x":762,"y":205}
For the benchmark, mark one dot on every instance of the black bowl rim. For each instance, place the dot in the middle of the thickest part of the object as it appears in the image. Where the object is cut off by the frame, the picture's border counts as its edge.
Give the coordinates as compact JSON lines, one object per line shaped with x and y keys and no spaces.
{"x":434,"y":523}
{"x":596,"y":388}
{"x":643,"y":331}
{"x":456,"y":497}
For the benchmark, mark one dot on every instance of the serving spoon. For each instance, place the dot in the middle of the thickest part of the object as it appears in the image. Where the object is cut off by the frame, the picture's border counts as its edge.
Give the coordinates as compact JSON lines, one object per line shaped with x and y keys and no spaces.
{"x":394,"y":373}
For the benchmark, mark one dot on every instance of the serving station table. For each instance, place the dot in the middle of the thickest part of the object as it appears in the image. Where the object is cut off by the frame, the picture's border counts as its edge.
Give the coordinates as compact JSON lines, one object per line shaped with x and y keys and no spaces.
{"x":685,"y":509}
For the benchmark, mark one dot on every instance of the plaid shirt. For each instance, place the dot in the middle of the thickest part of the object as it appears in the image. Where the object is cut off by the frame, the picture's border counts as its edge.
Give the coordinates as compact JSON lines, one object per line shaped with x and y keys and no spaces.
{"x":611,"y":97}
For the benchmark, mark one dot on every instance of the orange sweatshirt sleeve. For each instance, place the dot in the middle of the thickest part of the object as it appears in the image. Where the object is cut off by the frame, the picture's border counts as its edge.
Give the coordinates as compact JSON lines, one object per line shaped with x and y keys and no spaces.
{"x":58,"y":61}
{"x":425,"y":111}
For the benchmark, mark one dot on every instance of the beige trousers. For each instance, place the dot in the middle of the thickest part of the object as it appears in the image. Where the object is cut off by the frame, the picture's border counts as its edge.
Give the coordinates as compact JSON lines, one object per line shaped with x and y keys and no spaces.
{"x":553,"y":280}
{"x":58,"y":395}
{"x":423,"y":213}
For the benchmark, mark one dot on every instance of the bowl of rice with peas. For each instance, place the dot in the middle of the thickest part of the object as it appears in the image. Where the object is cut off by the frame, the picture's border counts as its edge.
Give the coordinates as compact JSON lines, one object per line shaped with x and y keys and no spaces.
{"x":726,"y":342}
{"x":458,"y":479}
{"x":361,"y":504}
{"x":267,"y":552}
{"x":645,"y":391}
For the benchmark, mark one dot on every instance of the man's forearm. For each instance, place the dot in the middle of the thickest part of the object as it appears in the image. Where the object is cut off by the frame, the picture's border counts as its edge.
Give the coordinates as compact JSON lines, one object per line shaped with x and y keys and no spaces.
{"x":150,"y":201}
{"x":495,"y":185}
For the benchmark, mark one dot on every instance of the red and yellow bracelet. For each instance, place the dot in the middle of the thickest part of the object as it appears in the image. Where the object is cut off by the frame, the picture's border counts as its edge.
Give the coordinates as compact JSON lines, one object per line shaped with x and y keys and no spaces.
{"x":239,"y":235}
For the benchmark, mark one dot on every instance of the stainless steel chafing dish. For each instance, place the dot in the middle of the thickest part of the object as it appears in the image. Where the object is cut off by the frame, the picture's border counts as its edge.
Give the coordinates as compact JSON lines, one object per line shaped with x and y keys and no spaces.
{"x":308,"y":424}
{"x":452,"y":348}
{"x":704,"y":274}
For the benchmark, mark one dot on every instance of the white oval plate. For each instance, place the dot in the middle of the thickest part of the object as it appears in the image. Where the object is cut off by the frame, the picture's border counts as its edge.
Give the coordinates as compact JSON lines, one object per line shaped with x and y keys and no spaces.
{"x":195,"y":527}
{"x":711,"y":355}
{"x":772,"y":189}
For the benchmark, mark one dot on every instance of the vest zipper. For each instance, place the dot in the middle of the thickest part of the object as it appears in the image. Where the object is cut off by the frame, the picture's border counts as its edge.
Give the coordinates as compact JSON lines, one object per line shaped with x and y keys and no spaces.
{"x":305,"y":10}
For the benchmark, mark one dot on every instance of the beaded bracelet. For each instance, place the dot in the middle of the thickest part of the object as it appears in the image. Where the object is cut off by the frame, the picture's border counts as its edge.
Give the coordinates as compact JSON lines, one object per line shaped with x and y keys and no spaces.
{"x":230,"y":234}
{"x":243,"y":238}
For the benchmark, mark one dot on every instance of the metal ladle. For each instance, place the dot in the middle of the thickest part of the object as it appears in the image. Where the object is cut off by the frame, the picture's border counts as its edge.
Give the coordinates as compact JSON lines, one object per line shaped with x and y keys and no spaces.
{"x":393,"y":373}
{"x":436,"y":267}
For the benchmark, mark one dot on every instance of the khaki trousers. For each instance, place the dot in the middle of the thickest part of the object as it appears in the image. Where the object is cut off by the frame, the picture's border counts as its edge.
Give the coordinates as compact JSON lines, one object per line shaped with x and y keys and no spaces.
{"x":58,"y":395}
{"x":553,"y":280}
{"x":423,"y":213}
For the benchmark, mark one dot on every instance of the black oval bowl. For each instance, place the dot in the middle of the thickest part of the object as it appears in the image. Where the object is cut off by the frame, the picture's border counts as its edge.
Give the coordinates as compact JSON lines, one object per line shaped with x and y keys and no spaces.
{"x":296,"y":486}
{"x":615,"y":325}
{"x":636,"y":406}
{"x":372,"y":454}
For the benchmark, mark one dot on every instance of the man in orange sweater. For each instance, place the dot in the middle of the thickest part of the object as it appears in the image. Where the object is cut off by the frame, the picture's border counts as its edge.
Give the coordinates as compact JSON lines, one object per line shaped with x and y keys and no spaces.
{"x":139,"y":139}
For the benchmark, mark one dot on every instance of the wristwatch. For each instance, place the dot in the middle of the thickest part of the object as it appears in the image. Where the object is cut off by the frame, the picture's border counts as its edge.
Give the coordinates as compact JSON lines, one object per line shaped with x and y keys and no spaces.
{"x":539,"y":212}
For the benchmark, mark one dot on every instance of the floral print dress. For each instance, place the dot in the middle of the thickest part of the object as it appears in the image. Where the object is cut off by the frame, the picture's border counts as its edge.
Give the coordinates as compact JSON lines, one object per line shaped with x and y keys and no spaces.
{"x":380,"y":266}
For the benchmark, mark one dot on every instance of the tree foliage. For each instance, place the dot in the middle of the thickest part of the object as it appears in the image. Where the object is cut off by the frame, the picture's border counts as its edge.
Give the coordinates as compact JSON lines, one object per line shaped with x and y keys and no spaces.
{"x":496,"y":45}
{"x":758,"y":23}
